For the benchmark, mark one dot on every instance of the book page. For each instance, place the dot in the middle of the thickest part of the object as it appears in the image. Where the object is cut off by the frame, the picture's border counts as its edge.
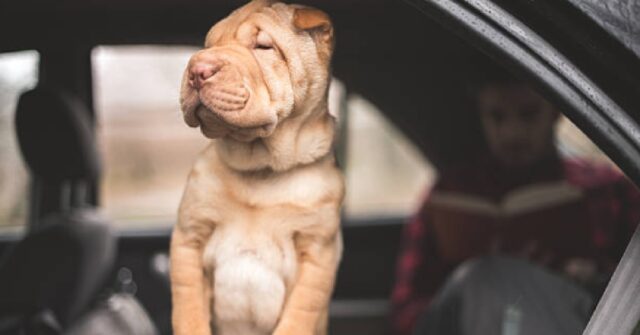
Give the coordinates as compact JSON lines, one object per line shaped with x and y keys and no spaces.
{"x":550,"y":213}
{"x":522,"y":200}
{"x":538,"y":197}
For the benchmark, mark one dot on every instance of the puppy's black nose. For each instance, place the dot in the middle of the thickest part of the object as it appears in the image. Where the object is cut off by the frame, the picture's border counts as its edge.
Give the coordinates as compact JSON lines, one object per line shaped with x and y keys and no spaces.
{"x":200,"y":72}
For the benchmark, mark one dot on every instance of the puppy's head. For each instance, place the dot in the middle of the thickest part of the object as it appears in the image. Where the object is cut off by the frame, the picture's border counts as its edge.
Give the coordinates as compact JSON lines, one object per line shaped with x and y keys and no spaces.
{"x":262,"y":64}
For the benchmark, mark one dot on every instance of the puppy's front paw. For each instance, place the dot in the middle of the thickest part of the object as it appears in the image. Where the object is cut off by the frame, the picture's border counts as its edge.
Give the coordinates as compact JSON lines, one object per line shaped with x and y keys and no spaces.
{"x":190,"y":327}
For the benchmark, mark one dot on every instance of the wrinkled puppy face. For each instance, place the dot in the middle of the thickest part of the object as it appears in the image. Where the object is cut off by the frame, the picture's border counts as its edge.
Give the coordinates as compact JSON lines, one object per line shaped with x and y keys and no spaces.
{"x":260,"y":65}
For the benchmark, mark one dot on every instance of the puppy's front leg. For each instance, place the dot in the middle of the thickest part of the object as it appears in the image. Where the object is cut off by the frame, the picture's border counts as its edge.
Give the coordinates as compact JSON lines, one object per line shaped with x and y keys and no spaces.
{"x":305,"y":312}
{"x":191,"y":314}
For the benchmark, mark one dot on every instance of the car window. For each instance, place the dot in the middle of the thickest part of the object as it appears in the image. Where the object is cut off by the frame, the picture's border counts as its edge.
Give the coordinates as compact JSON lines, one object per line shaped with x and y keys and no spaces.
{"x":386,"y":175}
{"x":18,"y":73}
{"x":573,"y":143}
{"x":147,"y":148}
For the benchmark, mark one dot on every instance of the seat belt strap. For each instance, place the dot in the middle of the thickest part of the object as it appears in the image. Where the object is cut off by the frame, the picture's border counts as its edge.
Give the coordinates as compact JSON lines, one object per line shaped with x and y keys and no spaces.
{"x":618,"y":312}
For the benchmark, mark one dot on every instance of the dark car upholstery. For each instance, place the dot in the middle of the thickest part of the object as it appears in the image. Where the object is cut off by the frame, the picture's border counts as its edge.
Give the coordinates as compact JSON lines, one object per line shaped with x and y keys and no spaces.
{"x":50,"y":277}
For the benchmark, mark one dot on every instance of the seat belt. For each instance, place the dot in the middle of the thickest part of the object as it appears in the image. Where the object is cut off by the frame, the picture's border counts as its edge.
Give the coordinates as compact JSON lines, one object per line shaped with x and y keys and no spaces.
{"x":618,"y":312}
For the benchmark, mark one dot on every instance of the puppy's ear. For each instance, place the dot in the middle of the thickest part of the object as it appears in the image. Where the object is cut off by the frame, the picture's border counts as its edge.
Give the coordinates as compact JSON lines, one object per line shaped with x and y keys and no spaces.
{"x":316,"y":22}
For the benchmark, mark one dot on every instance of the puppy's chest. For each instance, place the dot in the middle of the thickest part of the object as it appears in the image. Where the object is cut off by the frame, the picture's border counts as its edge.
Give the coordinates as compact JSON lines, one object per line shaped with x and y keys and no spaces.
{"x":232,"y":243}
{"x":259,"y":223}
{"x":251,"y":271}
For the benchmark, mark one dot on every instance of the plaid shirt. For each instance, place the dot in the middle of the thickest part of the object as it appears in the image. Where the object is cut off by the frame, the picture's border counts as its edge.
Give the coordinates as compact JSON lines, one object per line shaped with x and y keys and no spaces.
{"x":613,"y":205}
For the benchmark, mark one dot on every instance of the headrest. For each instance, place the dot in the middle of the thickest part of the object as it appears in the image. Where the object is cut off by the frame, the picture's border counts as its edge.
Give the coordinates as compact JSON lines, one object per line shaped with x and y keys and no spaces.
{"x":55,"y":135}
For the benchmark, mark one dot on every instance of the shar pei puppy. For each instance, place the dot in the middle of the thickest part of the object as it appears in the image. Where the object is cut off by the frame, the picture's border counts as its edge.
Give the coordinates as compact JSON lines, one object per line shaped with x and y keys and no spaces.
{"x":258,"y":242}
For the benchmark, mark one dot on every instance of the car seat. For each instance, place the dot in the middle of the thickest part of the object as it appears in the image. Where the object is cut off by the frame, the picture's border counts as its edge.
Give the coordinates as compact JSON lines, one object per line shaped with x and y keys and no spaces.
{"x":51,"y":276}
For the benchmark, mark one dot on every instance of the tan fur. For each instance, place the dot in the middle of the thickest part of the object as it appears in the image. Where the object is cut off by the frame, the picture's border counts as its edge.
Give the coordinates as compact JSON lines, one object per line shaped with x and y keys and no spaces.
{"x":258,"y":242}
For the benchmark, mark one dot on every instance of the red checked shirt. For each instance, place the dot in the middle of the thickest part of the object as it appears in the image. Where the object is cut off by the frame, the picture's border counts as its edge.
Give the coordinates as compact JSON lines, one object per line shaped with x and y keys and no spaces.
{"x":613,"y":206}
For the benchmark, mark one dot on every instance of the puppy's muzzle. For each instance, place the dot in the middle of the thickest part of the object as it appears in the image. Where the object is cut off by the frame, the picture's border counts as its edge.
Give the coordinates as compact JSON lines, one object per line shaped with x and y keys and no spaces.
{"x":220,"y":86}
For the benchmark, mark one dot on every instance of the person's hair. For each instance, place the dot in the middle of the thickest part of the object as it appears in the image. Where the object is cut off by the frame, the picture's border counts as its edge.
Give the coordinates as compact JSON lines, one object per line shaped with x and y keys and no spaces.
{"x":485,"y":74}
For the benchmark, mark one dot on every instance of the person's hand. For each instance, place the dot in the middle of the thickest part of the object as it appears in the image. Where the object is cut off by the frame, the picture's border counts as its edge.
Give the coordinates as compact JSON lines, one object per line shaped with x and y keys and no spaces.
{"x":582,"y":270}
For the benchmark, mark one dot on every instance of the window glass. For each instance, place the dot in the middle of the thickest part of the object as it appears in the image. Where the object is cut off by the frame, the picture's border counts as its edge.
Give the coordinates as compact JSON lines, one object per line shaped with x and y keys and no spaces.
{"x":573,"y":143}
{"x":18,"y":73}
{"x":147,"y":148}
{"x":385,"y":174}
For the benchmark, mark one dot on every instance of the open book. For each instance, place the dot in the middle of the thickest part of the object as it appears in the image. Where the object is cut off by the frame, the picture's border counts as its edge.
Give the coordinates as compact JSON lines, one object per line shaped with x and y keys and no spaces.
{"x":550,"y":214}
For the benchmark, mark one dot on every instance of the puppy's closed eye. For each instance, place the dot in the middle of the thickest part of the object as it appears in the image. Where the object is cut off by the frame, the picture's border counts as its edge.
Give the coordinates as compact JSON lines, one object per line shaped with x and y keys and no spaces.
{"x":264,"y":41}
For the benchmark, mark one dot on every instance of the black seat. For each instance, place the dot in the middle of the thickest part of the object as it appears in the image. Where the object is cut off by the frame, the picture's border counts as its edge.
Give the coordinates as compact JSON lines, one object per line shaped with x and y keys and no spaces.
{"x":51,"y":276}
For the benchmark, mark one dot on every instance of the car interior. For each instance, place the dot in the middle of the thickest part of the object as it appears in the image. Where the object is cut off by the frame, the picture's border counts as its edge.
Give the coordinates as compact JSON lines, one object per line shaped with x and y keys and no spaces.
{"x":94,"y":152}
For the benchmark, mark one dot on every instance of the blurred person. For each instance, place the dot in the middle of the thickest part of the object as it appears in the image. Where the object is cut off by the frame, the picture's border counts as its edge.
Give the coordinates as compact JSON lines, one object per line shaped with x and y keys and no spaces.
{"x":526,"y":288}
